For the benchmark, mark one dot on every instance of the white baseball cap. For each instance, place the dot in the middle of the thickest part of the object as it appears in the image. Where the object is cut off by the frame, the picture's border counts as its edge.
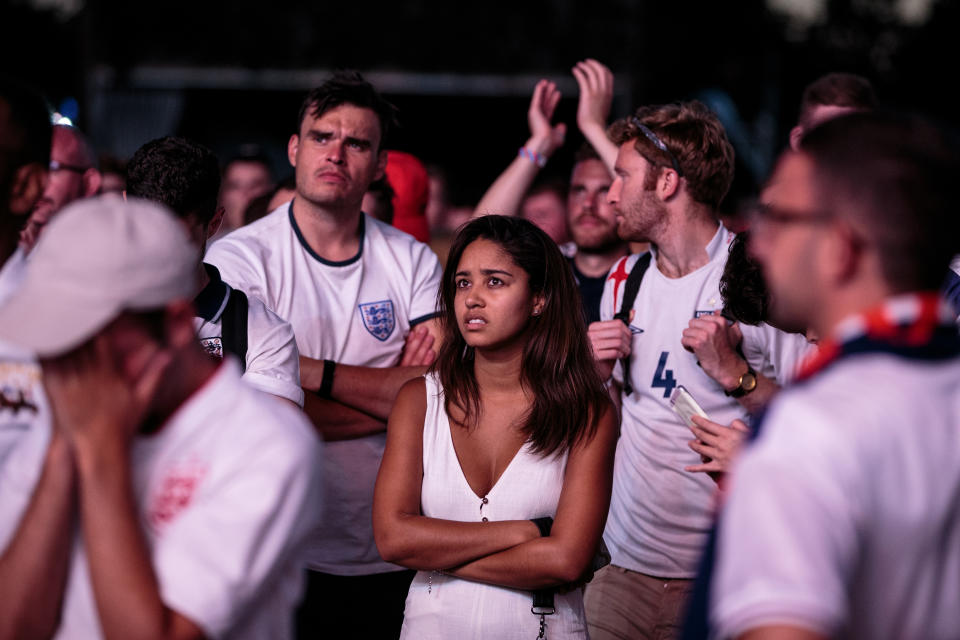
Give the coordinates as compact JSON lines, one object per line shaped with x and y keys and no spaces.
{"x":97,"y":258}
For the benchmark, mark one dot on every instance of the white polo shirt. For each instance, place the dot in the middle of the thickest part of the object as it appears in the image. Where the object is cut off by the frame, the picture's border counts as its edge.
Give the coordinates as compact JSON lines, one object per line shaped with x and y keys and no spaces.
{"x":272,"y":359}
{"x":227,"y":492}
{"x":358,"y":312}
{"x":660,"y":514}
{"x":844,"y":516}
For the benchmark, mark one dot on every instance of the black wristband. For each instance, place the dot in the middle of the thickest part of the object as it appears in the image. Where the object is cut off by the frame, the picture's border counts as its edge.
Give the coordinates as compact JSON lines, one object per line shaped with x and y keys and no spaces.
{"x":326,"y":382}
{"x":544,"y":524}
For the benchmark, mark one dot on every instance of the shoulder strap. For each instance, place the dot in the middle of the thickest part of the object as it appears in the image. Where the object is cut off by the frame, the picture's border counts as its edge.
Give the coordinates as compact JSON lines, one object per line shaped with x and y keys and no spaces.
{"x":630,"y":289}
{"x":234,"y":326}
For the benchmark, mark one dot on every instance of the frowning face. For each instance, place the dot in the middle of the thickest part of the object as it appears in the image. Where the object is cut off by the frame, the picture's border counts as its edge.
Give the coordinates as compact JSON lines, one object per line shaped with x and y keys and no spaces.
{"x":337,"y":156}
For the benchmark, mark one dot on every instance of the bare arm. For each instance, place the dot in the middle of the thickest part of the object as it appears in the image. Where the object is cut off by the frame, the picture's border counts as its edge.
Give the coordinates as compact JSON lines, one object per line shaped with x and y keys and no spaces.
{"x":335,"y":421}
{"x":99,"y":411}
{"x":506,"y":193}
{"x":403,"y":535}
{"x":781,"y":633}
{"x":564,"y":555}
{"x":596,"y":93}
{"x":371,"y":390}
{"x":34,"y":566}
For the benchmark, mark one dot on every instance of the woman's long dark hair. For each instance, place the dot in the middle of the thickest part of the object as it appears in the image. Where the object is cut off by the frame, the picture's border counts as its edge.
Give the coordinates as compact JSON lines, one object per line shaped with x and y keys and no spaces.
{"x":557,"y":366}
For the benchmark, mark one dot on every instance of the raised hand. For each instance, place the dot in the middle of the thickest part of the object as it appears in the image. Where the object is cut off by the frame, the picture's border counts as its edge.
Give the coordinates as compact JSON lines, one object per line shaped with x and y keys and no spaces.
{"x":596,"y":94}
{"x":545,"y":137}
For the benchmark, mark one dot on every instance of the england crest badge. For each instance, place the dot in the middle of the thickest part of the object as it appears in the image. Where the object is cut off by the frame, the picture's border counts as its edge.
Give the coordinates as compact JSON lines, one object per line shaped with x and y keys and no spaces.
{"x":378,"y":318}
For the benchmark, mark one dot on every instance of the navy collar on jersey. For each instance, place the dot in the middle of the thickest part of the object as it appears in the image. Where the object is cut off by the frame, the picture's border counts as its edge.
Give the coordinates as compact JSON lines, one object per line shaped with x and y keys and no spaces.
{"x":212,"y":300}
{"x":317,"y":256}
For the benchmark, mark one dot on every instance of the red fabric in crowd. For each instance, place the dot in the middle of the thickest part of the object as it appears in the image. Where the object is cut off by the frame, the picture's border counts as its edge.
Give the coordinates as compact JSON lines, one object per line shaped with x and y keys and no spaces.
{"x":408,"y":178}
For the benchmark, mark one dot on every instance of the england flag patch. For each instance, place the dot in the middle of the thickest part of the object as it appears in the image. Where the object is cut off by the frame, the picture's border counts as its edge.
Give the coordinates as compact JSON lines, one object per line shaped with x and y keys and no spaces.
{"x":378,"y":318}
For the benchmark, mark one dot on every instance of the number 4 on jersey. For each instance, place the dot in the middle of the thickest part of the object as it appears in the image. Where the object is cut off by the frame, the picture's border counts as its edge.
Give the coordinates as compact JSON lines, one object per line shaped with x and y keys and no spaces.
{"x":663,"y":377}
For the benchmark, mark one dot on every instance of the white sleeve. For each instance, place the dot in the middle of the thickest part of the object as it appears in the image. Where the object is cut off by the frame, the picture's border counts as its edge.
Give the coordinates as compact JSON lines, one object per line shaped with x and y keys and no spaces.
{"x":788,"y":533}
{"x":427,"y":274}
{"x":774,"y":353}
{"x":243,"y":530}
{"x":238,"y":266}
{"x":273,"y":361}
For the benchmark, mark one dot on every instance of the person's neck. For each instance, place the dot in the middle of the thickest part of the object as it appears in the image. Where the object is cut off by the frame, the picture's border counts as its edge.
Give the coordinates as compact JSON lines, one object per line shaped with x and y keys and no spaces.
{"x":682,"y":248}
{"x":852,"y":300}
{"x":194,"y":369}
{"x":332,"y":232}
{"x":498,"y":371}
{"x":595,"y":264}
{"x":202,"y":278}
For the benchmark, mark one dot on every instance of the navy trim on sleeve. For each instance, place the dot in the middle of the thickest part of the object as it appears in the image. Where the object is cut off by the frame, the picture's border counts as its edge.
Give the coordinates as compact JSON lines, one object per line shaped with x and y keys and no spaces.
{"x":429,"y":316}
{"x":318,"y":257}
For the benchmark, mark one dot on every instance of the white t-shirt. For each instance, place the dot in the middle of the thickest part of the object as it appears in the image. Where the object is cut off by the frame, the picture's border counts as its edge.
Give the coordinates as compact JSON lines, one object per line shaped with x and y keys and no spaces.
{"x":659,"y":513}
{"x":272,"y":360}
{"x":358,"y":312}
{"x":23,"y":411}
{"x":227,"y":493}
{"x":844,"y":515}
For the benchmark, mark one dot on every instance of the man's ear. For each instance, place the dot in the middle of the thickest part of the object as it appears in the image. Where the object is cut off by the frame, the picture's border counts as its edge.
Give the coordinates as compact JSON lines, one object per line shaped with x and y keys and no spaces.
{"x":843,"y":253}
{"x":178,"y":323}
{"x":292,"y":145}
{"x":381,"y":164}
{"x":215,"y":222}
{"x":92,"y":179}
{"x":668,"y":184}
{"x":28,"y":184}
{"x":796,"y":134}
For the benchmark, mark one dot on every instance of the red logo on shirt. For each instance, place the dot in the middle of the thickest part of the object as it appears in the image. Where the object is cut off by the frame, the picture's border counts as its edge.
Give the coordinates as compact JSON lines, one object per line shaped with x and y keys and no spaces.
{"x":619,"y":275}
{"x":176,"y":491}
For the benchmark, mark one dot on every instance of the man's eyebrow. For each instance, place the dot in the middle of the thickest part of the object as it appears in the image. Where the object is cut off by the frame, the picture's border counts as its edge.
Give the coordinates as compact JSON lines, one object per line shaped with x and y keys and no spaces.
{"x":359,"y":140}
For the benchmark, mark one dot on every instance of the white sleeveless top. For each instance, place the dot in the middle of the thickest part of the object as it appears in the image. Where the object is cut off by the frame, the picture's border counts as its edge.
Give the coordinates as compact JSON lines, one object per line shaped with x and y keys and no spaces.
{"x":443,"y":606}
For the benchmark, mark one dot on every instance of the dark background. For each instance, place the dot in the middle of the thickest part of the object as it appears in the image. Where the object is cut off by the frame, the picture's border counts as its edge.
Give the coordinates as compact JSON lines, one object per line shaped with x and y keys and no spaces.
{"x":461,"y":73}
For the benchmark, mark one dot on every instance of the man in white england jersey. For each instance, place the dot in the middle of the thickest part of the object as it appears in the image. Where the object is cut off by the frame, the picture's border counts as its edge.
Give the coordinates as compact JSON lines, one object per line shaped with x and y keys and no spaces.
{"x":355,"y":290}
{"x":185,"y":176}
{"x":673,"y":167}
{"x":843,"y":517}
{"x":172,"y":501}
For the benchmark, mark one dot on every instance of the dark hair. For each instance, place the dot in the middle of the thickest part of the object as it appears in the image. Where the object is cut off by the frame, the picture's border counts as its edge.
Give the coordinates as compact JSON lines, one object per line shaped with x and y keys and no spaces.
{"x":836,"y":90}
{"x":895,"y":179}
{"x":26,"y":130}
{"x":383,"y":193}
{"x":557,"y":366}
{"x":586,"y":152}
{"x":349,"y":87}
{"x":694,"y":135}
{"x":251,"y":153}
{"x":744,"y":292}
{"x":556,"y":186}
{"x":179,"y":173}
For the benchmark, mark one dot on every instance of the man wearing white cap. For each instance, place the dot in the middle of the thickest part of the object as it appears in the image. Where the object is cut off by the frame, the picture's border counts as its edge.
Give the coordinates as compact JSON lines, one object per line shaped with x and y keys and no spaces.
{"x":191,"y":514}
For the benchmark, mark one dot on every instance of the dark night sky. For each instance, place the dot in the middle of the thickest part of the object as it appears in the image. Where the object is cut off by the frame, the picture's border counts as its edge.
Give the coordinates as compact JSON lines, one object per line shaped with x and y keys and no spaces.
{"x":667,"y":50}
